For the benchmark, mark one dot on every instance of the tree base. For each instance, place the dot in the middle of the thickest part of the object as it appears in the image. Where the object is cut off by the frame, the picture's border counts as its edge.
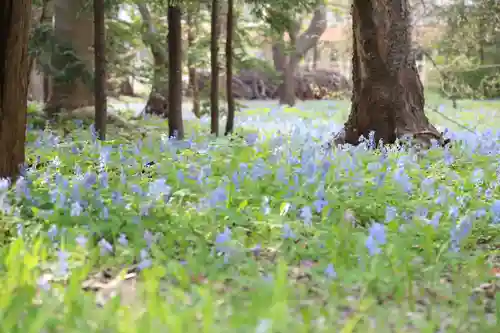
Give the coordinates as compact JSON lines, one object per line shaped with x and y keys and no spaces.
{"x":422,"y":139}
{"x":156,"y":105}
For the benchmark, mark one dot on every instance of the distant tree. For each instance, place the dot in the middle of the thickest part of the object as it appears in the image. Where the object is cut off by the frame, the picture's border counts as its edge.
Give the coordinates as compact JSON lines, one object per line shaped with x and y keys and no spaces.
{"x":14,"y":66}
{"x":175,"y":125}
{"x":388,"y":96}
{"x":100,"y":69}
{"x":192,"y":26}
{"x":229,"y":67}
{"x":288,"y":54}
{"x":73,"y":61}
{"x":214,"y":58}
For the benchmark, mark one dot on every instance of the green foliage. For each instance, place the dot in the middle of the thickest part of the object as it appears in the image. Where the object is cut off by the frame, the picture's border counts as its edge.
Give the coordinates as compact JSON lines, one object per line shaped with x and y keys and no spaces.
{"x":470,"y":46}
{"x":224,"y":242}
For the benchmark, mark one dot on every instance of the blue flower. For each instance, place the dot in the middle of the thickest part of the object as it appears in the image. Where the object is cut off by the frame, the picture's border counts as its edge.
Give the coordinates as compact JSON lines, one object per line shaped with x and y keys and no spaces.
{"x":372,"y":246}
{"x":52,"y":232}
{"x":377,"y":231}
{"x":105,"y":247}
{"x":76,"y":209}
{"x":495,"y":210}
{"x":288,"y":232}
{"x":330,"y":271}
{"x":81,"y":240}
{"x":306,"y":215}
{"x":390,"y":213}
{"x":123,"y":240}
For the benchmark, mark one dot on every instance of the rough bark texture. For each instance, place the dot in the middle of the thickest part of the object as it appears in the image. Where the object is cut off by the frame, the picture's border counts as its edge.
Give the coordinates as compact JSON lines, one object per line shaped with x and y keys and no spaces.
{"x":300,"y":45}
{"x":74,"y":27}
{"x":100,"y":69}
{"x":194,"y":91}
{"x":14,"y":64}
{"x":387,"y":93}
{"x":214,"y":86}
{"x":229,"y":68}
{"x":157,"y":103}
{"x":175,"y":126}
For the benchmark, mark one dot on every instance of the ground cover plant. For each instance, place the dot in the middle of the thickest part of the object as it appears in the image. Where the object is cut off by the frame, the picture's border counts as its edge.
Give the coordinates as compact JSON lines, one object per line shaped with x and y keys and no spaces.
{"x":266,"y":231}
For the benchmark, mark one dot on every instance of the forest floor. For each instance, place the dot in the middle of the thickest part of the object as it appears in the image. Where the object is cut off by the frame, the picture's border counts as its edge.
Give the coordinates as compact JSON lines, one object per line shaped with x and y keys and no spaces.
{"x":261,"y":232}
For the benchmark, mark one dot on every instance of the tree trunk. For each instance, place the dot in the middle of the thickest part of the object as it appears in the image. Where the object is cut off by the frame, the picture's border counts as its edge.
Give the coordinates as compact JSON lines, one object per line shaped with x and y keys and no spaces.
{"x":214,"y":84}
{"x":100,"y":69}
{"x":14,"y":64}
{"x":48,"y":20}
{"x":287,"y":94}
{"x":175,"y":126}
{"x":315,"y":57}
{"x":287,"y":64}
{"x":387,"y":93}
{"x":229,"y":67}
{"x":74,"y":29}
{"x":157,"y":103}
{"x":192,"y":23}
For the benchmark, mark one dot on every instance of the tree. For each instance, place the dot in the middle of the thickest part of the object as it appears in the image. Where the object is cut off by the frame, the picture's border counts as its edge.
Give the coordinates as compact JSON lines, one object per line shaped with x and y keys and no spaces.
{"x":14,"y":65}
{"x":100,"y":69}
{"x":214,"y":58}
{"x":73,"y":59}
{"x":229,"y":67}
{"x":192,"y":23}
{"x":286,"y":61}
{"x":158,"y":98}
{"x":387,"y":93}
{"x":175,"y":126}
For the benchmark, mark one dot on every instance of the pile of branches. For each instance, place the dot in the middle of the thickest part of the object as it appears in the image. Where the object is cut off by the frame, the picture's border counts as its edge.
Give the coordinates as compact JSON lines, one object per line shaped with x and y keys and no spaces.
{"x":258,"y":85}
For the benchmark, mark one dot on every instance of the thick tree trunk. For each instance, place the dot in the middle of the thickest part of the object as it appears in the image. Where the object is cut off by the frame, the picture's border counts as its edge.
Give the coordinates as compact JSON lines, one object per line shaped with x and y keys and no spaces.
{"x":100,"y":69}
{"x":229,"y":68}
{"x":175,"y":126}
{"x":14,"y":64}
{"x":214,"y":58}
{"x":74,"y":28}
{"x":192,"y":23}
{"x":387,"y":93}
{"x":287,"y":95}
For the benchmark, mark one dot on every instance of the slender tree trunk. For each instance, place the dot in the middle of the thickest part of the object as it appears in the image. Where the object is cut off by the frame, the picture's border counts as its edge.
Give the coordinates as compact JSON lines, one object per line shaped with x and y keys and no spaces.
{"x":192,"y":23}
{"x":48,"y":20}
{"x":214,"y":86}
{"x":100,"y":69}
{"x":229,"y":67}
{"x":387,"y":93}
{"x":14,"y":34}
{"x":175,"y":126}
{"x":74,"y":29}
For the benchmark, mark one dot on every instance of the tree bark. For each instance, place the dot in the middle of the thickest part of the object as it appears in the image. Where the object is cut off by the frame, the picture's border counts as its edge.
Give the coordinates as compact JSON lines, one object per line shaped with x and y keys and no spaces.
{"x":14,"y":64}
{"x":287,"y":64}
{"x":74,"y":28}
{"x":175,"y":126}
{"x":100,"y":69}
{"x":192,"y":23}
{"x":214,"y":58}
{"x":229,"y":68}
{"x":157,"y":103}
{"x":387,"y":93}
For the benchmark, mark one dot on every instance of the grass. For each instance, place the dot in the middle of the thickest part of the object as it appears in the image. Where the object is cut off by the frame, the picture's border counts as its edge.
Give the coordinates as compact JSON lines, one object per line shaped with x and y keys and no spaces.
{"x":261,"y":232}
